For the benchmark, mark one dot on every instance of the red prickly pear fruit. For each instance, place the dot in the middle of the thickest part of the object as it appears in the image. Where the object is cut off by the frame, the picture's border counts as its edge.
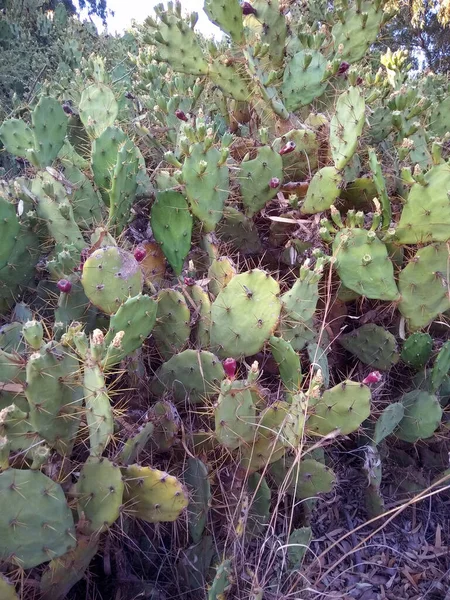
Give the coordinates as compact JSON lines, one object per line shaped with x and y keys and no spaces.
{"x":64,"y":286}
{"x":373,"y":377}
{"x":247,"y":9}
{"x":140,"y":253}
{"x":343,"y":68}
{"x":181,"y":115}
{"x":67,"y":108}
{"x":189,"y":281}
{"x":274,"y":183}
{"x":229,"y":366}
{"x":287,"y":148}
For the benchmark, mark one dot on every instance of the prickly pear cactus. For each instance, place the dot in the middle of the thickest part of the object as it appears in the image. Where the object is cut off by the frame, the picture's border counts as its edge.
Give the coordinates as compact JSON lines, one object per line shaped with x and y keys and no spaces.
{"x":110,"y":276}
{"x":254,"y":296}
{"x":36,"y":523}
{"x":153,"y":495}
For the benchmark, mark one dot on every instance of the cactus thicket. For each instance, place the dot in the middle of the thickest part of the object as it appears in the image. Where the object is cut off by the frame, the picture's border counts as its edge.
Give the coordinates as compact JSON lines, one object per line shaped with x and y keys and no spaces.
{"x":223,"y":262}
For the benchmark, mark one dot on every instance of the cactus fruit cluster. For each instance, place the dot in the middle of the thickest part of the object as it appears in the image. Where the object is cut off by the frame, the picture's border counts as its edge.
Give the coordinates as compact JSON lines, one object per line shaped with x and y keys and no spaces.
{"x":219,"y":258}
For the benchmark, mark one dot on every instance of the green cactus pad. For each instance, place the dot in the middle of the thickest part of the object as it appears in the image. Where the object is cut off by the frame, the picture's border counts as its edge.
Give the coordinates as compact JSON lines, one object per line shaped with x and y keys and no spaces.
{"x":373,"y":345}
{"x":441,"y":367}
{"x":152,"y":495}
{"x":136,"y":318}
{"x":86,"y":202}
{"x":388,"y":421}
{"x":235,"y":416}
{"x":33,"y":332}
{"x":54,"y":209}
{"x":423,"y":286}
{"x":64,"y":572}
{"x":54,"y":395}
{"x":343,"y":407}
{"x":254,"y":177}
{"x":135,"y":444}
{"x":202,"y":311}
{"x":426,"y":214}
{"x":288,"y":363}
{"x":17,"y":137}
{"x":380,"y":183}
{"x":422,"y":417}
{"x":299,"y":541}
{"x":124,"y":184}
{"x":298,"y":165}
{"x":41,"y":144}
{"x":268,"y":26}
{"x":300,"y":302}
{"x":239,"y":232}
{"x":100,"y":493}
{"x":416,"y":350}
{"x":172,"y":329}
{"x":110,"y":276}
{"x":166,"y":425}
{"x":280,"y":427}
{"x":191,"y":375}
{"x":324,"y":189}
{"x":357,"y":29}
{"x":15,"y":426}
{"x":206,"y":189}
{"x":49,"y":129}
{"x":171,"y":224}
{"x":36,"y":524}
{"x":220,"y":273}
{"x":176,"y":41}
{"x":104,"y":158}
{"x":196,"y":478}
{"x":221,"y":582}
{"x":304,"y":479}
{"x":98,"y":109}
{"x":98,"y":408}
{"x":297,"y":333}
{"x":346,"y":126}
{"x":226,"y":16}
{"x":227,"y":76}
{"x":248,"y":303}
{"x":303,"y":79}
{"x":363,"y":264}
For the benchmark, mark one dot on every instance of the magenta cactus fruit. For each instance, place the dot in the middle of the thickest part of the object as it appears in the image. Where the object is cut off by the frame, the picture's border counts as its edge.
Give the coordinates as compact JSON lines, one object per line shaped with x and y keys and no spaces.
{"x":247,"y":9}
{"x":343,"y":67}
{"x":190,"y":281}
{"x":181,"y":115}
{"x":274,"y":183}
{"x":288,"y":148}
{"x":373,"y":377}
{"x":64,"y":286}
{"x":140,"y":253}
{"x":229,"y":366}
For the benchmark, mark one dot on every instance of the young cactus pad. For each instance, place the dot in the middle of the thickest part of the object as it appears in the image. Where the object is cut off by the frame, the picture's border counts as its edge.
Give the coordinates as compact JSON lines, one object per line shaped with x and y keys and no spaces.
{"x":152,"y":495}
{"x":100,"y":492}
{"x":36,"y":524}
{"x":373,"y":345}
{"x":190,"y":375}
{"x":363,"y":264}
{"x":304,"y":479}
{"x":171,"y":224}
{"x":110,"y":276}
{"x":250,"y":304}
{"x":343,"y":407}
{"x":422,"y":417}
